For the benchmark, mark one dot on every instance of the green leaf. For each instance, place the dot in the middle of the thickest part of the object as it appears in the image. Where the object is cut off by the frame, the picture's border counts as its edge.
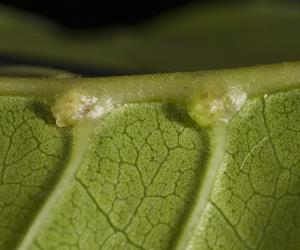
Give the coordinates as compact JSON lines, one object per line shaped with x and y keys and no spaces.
{"x":135,"y":184}
{"x":33,"y":152}
{"x":255,"y":203}
{"x":146,"y":175}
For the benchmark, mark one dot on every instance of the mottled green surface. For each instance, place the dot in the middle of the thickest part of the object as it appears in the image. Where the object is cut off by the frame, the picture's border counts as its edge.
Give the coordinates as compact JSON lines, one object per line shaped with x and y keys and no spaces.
{"x":135,"y":185}
{"x":255,"y":203}
{"x":32,"y":152}
{"x":142,"y":178}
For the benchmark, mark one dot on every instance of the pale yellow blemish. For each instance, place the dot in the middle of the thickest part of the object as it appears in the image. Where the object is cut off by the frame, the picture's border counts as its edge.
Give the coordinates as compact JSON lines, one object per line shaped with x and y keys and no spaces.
{"x":76,"y":105}
{"x":212,"y":105}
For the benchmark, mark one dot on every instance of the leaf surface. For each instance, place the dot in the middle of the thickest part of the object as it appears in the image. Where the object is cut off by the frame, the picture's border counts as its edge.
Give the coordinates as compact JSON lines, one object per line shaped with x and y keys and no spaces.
{"x":33,"y":152}
{"x":255,"y":200}
{"x":146,"y":176}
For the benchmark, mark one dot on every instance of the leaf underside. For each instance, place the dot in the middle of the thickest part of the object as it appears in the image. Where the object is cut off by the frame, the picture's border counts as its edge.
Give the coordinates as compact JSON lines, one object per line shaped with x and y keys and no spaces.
{"x":141,"y":174}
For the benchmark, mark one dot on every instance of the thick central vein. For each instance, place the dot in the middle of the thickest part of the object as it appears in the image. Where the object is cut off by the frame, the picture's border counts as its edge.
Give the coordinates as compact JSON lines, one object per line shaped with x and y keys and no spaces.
{"x":208,"y":95}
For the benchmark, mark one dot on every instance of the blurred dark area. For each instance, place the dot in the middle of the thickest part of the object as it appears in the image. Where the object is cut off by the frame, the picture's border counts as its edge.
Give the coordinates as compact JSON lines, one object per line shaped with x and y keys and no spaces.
{"x":112,"y":37}
{"x":90,"y":15}
{"x":99,"y":14}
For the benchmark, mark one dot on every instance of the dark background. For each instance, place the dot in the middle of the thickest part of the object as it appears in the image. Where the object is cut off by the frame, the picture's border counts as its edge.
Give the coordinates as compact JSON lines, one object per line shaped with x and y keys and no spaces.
{"x":99,"y":14}
{"x":89,"y":15}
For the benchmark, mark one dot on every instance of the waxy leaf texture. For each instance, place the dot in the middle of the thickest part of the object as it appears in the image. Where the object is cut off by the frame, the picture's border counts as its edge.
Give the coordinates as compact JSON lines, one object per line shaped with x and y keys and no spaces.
{"x":141,"y":174}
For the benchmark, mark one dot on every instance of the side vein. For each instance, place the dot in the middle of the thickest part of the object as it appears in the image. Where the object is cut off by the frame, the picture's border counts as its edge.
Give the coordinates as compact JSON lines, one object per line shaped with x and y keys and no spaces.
{"x":81,"y":137}
{"x":217,"y":151}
